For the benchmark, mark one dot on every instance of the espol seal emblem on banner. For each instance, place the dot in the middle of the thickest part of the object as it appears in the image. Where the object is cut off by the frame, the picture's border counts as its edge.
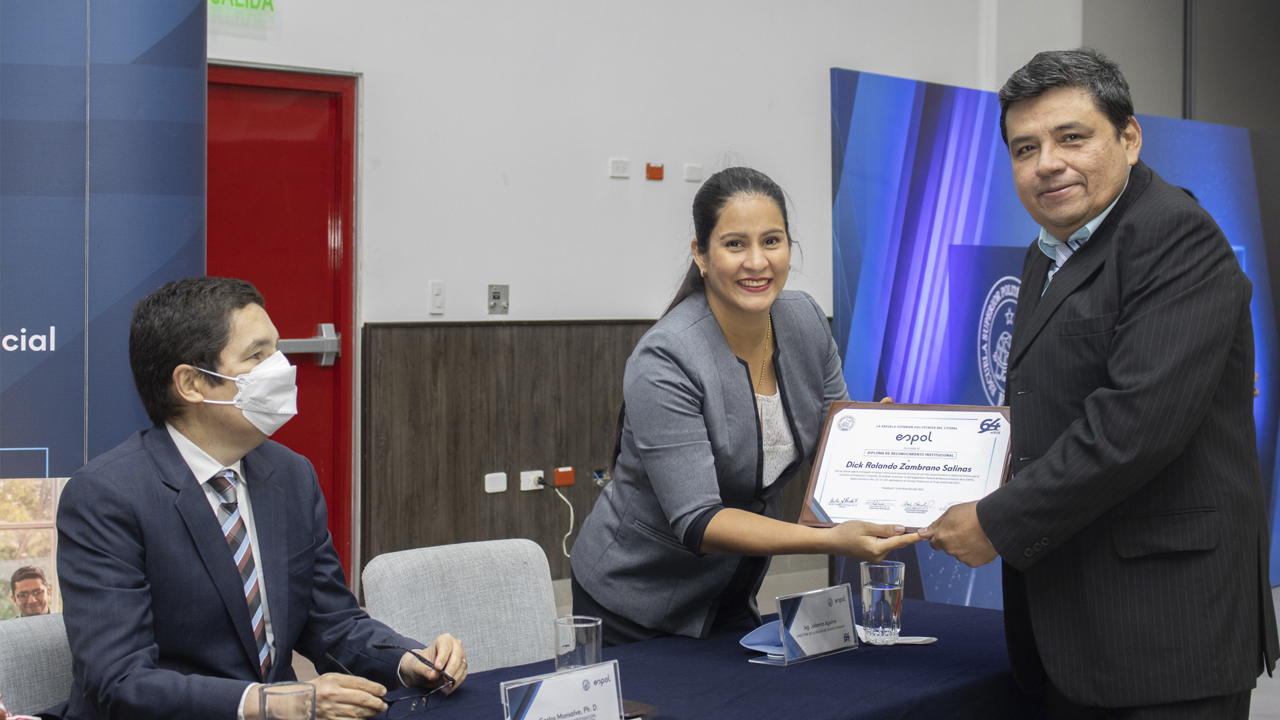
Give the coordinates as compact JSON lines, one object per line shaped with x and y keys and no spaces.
{"x":995,"y":336}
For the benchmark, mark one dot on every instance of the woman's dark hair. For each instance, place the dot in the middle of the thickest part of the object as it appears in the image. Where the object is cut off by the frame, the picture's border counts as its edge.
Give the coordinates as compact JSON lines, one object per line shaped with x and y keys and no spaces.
{"x":188,"y":322}
{"x":711,"y":200}
{"x":708,"y":204}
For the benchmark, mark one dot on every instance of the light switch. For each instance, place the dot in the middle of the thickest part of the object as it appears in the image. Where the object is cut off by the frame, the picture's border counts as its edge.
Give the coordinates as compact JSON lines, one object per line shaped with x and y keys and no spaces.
{"x":495,"y":482}
{"x":693,"y":172}
{"x":499,"y":302}
{"x":437,"y":297}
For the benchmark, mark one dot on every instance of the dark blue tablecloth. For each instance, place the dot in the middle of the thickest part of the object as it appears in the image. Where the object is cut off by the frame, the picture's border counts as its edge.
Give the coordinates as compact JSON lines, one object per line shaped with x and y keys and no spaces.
{"x":963,"y":675}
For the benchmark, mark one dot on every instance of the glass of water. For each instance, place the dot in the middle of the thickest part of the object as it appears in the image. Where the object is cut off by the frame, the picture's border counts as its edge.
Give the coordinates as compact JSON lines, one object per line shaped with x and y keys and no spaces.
{"x":287,"y":701}
{"x":578,"y":641}
{"x":882,"y":601}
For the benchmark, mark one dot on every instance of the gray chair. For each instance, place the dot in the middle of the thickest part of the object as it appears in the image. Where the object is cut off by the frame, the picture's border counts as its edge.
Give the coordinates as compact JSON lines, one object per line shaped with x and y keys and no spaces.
{"x":35,"y":663}
{"x":493,"y":596}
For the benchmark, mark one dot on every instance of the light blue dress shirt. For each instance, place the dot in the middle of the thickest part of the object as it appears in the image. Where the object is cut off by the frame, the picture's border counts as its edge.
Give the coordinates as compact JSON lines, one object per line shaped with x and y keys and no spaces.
{"x":1059,"y":252}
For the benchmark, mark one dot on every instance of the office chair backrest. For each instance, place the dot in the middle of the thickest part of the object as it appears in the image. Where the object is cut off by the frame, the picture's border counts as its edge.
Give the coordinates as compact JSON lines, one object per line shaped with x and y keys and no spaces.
{"x":494,"y":596}
{"x":35,"y":663}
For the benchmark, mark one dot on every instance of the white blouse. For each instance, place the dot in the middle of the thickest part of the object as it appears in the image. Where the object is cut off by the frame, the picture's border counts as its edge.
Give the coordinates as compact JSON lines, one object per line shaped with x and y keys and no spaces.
{"x":779,"y":446}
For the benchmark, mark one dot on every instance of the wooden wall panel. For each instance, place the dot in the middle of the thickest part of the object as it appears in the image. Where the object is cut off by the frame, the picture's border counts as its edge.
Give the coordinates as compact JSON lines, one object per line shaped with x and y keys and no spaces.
{"x":445,"y":403}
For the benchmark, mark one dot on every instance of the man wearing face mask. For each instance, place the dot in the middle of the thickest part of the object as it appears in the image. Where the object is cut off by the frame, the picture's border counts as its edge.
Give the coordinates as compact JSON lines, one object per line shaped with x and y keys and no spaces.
{"x":195,"y":557}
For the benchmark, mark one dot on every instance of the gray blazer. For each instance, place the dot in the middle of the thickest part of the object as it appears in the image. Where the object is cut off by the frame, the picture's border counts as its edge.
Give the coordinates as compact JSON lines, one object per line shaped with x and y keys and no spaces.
{"x":690,"y":448}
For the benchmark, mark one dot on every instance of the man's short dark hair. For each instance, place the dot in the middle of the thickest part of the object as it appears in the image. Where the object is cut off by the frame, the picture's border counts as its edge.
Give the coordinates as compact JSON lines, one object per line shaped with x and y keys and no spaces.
{"x":27,"y":572}
{"x":1085,"y":68}
{"x":186,"y":322}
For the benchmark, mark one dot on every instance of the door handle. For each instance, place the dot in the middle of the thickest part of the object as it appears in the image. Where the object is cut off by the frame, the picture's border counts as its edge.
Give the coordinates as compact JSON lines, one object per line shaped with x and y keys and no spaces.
{"x":327,"y":344}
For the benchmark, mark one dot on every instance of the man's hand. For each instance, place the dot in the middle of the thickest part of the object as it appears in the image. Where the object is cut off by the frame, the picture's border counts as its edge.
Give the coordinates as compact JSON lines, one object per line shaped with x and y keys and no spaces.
{"x":339,"y":697}
{"x":446,"y":652}
{"x":959,"y":534}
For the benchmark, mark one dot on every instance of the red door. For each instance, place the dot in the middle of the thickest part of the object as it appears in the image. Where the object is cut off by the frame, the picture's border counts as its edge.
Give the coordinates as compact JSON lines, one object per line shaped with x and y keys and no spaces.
{"x":280,"y":215}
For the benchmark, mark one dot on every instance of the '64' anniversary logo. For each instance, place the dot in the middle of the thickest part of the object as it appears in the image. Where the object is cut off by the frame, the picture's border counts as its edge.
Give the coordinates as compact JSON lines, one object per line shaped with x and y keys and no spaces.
{"x":995,"y":336}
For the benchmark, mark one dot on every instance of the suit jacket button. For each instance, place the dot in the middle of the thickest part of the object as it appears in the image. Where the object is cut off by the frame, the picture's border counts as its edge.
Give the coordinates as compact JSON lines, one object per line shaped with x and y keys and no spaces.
{"x":1028,"y":552}
{"x":1037,"y":547}
{"x":1044,"y":540}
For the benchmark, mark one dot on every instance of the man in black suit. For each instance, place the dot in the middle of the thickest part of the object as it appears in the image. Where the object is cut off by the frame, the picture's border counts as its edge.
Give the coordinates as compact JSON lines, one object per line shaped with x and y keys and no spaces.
{"x":1132,"y":527}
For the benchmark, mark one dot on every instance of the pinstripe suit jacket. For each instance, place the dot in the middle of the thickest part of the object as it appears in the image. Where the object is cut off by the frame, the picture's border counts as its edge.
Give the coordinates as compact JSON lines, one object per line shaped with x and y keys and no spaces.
{"x":1132,"y":529}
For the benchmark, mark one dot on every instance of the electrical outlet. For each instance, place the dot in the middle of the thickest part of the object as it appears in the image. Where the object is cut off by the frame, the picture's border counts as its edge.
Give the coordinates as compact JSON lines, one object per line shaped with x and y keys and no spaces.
{"x":619,"y":168}
{"x":531,"y":480}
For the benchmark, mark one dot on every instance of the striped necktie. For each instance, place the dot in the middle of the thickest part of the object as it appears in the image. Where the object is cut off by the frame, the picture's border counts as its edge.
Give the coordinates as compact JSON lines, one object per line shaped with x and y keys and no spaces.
{"x":233,"y":527}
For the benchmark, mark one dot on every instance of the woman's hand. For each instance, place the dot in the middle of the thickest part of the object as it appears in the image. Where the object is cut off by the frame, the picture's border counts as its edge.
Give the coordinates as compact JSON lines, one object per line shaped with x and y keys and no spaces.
{"x":869,"y":541}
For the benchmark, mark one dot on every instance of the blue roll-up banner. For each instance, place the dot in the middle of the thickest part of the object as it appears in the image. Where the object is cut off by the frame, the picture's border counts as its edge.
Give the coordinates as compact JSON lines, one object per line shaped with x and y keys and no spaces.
{"x":102,"y":192}
{"x":929,"y":239}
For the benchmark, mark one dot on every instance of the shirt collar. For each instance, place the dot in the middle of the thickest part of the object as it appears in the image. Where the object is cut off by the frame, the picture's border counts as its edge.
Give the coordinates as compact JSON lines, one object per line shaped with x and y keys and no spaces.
{"x":202,"y":464}
{"x":1049,"y":244}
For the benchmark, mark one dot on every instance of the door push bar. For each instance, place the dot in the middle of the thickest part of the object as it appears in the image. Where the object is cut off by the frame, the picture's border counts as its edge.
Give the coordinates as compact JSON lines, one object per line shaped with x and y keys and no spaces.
{"x":327,"y":344}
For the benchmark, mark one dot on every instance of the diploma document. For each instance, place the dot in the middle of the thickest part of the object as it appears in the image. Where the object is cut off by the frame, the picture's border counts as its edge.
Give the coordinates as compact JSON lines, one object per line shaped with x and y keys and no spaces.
{"x":904,"y":464}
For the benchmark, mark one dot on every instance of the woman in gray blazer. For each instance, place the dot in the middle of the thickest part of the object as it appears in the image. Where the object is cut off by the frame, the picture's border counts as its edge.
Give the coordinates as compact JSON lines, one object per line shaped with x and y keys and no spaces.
{"x":723,"y":399}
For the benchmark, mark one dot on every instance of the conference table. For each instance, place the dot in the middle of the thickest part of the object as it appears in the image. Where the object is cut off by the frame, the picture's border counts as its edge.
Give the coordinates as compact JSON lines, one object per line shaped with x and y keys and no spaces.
{"x":965,"y":674}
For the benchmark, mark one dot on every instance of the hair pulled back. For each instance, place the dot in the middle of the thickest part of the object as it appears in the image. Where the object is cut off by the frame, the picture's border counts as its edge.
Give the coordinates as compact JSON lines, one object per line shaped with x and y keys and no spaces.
{"x":710,"y":201}
{"x":708,"y":204}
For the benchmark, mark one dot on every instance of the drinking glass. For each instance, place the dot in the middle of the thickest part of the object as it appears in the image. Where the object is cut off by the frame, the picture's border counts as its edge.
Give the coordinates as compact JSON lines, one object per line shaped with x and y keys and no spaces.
{"x":882,"y":601}
{"x":577,"y":641}
{"x":287,"y":701}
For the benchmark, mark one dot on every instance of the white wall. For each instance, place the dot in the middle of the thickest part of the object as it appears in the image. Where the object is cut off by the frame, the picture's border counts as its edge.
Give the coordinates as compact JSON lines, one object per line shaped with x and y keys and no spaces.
{"x":1145,"y":38}
{"x":486,"y":127}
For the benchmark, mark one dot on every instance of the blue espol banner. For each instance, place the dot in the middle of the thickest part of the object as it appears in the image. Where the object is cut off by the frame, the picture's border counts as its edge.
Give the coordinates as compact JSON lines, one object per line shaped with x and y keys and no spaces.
{"x":929,"y":239}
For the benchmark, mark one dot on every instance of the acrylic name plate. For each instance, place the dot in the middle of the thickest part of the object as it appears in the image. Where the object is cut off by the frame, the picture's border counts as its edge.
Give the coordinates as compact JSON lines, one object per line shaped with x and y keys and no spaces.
{"x":811,"y":625}
{"x":586,"y":693}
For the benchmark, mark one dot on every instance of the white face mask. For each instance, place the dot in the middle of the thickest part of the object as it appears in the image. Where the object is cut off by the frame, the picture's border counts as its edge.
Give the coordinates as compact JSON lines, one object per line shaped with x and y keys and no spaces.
{"x":268,"y":394}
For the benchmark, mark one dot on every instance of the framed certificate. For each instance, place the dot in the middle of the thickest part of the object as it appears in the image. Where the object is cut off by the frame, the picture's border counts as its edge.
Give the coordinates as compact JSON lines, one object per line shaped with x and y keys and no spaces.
{"x":904,"y":464}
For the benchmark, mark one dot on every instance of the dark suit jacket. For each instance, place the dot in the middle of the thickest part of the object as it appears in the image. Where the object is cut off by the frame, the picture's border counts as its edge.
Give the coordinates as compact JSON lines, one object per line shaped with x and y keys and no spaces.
{"x":155,"y":613}
{"x":1133,"y":528}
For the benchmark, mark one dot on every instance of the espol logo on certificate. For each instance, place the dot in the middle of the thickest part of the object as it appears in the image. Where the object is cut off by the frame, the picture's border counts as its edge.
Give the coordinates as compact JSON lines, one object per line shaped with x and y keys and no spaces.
{"x":905,"y":464}
{"x":589,"y":693}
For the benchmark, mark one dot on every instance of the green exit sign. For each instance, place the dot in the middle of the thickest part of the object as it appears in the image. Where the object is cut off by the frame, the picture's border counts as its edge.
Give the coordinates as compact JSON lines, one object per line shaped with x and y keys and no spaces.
{"x":264,"y":5}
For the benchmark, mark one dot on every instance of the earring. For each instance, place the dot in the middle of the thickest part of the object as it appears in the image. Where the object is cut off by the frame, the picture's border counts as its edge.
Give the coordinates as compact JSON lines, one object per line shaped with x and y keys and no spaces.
{"x":704,"y":273}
